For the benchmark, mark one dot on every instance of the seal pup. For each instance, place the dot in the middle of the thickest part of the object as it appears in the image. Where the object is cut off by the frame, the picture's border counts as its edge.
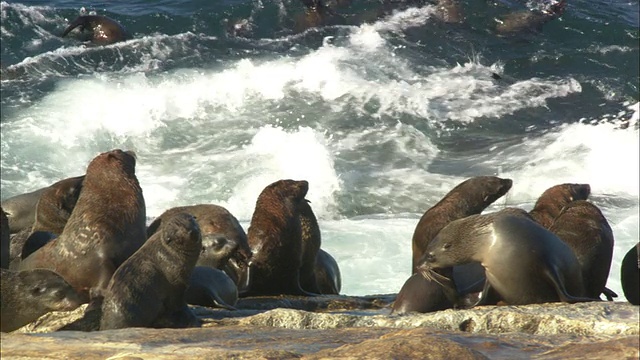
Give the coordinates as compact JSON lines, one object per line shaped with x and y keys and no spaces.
{"x":102,"y":30}
{"x":4,"y":240}
{"x":106,"y":226}
{"x":27,"y":295}
{"x":221,"y":233}
{"x":524,"y":262}
{"x":275,"y":238}
{"x":550,"y":203}
{"x":212,"y":288}
{"x":630,"y":275}
{"x":584,"y":228}
{"x":148,"y":289}
{"x":467,"y":198}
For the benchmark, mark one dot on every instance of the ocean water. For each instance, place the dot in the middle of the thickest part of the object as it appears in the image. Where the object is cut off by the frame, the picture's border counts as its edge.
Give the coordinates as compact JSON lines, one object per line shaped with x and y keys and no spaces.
{"x":383,"y":116}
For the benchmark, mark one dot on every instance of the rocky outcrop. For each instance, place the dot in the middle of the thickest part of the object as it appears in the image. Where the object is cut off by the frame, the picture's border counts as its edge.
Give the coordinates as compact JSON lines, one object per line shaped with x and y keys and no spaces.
{"x":330,"y":327}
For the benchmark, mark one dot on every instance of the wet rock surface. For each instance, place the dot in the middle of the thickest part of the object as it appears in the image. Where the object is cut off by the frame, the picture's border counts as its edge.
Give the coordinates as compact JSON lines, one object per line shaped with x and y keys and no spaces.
{"x":346,"y":327}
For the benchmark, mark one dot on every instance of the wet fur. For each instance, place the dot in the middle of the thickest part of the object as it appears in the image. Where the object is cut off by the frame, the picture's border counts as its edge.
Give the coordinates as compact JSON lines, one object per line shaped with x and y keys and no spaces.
{"x":552,"y":200}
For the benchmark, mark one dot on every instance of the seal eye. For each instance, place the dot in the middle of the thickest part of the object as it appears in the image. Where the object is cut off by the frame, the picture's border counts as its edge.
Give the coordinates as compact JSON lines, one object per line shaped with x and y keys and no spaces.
{"x":447,"y":246}
{"x":38,"y":290}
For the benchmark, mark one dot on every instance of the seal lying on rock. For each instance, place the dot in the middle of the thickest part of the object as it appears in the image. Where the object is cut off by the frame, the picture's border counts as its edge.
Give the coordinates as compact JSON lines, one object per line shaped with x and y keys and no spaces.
{"x":524,"y":262}
{"x":327,"y":274}
{"x":211,"y":287}
{"x":27,"y":295}
{"x":148,"y":289}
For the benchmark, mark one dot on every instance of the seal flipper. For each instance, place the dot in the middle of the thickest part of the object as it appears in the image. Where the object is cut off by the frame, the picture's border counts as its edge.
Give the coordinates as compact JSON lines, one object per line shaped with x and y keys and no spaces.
{"x":609,"y":294}
{"x":554,"y":279}
{"x":79,"y":21}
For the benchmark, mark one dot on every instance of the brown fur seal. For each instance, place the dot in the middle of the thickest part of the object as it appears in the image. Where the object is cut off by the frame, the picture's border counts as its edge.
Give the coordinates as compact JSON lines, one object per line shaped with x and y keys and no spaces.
{"x":148,"y":289}
{"x":212,"y":288}
{"x":102,"y":30}
{"x":27,"y":295}
{"x":21,"y":210}
{"x":4,"y":240}
{"x":221,"y":233}
{"x":327,"y":274}
{"x":468,"y":198}
{"x":311,"y":240}
{"x":552,"y":200}
{"x":106,"y":226}
{"x":630,"y":275}
{"x":529,"y":21}
{"x":56,"y":204}
{"x":275,"y":239}
{"x":582,"y":226}
{"x":524,"y":262}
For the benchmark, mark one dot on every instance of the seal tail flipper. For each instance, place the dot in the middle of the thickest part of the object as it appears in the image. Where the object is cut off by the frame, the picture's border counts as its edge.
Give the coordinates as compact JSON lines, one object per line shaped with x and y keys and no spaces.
{"x":552,"y":276}
{"x":218,"y":302}
{"x":609,"y":294}
{"x":79,"y":21}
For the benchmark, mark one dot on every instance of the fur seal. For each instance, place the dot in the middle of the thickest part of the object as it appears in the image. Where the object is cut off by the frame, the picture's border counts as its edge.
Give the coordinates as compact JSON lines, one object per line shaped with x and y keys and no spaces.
{"x":311,"y":240}
{"x":148,"y":289}
{"x":552,"y":200}
{"x":584,"y":228}
{"x":106,"y":226}
{"x":221,"y":234}
{"x":21,"y":210}
{"x":212,"y":288}
{"x":56,"y":204}
{"x":327,"y":274}
{"x":630,"y":275}
{"x":102,"y":30}
{"x":529,"y":21}
{"x":4,"y":240}
{"x":27,"y":295}
{"x":275,"y":239}
{"x":468,"y":198}
{"x":524,"y":262}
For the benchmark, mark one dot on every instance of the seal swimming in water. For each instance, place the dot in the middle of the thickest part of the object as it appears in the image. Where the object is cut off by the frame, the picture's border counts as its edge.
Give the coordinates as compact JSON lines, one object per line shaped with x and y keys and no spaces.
{"x":524,"y":262}
{"x":630,"y":275}
{"x":106,"y":226}
{"x":584,"y":228}
{"x":148,"y":289}
{"x":221,"y":234}
{"x":467,"y":198}
{"x":103,"y":30}
{"x":27,"y":295}
{"x":275,"y":237}
{"x":529,"y":21}
{"x":550,"y":203}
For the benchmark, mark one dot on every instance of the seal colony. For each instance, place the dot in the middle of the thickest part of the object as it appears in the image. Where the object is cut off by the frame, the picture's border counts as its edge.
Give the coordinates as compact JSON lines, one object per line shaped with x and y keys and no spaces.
{"x":87,"y":242}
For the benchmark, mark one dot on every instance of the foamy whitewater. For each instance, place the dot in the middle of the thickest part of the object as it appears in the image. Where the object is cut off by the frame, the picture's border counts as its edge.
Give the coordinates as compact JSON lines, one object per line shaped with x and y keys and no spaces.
{"x":380,"y":136}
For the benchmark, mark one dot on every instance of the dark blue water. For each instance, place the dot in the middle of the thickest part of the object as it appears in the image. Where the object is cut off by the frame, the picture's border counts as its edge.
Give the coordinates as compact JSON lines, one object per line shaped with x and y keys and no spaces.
{"x":382,"y":114}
